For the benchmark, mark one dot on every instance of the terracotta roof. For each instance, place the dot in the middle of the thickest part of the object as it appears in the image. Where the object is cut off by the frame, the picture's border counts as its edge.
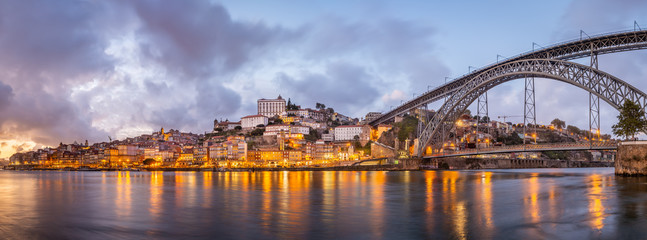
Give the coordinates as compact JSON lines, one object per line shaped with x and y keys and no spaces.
{"x":251,"y":116}
{"x":346,"y":126}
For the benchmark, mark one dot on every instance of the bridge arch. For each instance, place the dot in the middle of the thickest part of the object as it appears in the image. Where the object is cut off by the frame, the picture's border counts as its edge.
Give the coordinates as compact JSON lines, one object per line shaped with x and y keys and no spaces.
{"x":609,"y":88}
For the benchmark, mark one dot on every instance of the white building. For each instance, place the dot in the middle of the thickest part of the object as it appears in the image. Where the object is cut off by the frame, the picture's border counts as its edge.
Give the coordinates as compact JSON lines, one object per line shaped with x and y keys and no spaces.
{"x":348,"y":132}
{"x":249,"y":122}
{"x":271,"y":107}
{"x":328,"y":137}
{"x":274,"y":129}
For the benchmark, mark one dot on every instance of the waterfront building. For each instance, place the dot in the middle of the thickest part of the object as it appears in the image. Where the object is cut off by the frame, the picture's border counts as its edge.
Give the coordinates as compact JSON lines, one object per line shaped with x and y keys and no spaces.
{"x":271,"y":107}
{"x":348,"y":132}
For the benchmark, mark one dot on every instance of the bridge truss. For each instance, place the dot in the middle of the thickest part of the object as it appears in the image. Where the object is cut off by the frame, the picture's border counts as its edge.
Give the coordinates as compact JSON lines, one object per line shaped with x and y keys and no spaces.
{"x":596,"y":45}
{"x":550,"y":62}
{"x":601,"y":84}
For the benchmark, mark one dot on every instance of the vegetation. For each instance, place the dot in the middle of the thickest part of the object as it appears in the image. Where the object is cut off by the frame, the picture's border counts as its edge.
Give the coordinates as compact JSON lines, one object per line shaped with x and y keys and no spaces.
{"x":559,"y":124}
{"x":366,"y":148}
{"x":313,"y":136}
{"x":291,"y":106}
{"x":407,"y":127}
{"x":631,"y":120}
{"x":512,"y":139}
{"x":573,"y":129}
{"x":149,"y":161}
{"x":257,"y":132}
{"x":556,"y":155}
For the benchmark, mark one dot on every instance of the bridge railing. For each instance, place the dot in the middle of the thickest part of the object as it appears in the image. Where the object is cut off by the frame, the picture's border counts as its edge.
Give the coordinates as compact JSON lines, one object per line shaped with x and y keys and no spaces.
{"x":530,"y":148}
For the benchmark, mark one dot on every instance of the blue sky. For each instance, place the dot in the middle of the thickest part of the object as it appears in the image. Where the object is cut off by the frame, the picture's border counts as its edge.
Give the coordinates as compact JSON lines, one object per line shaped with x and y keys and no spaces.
{"x":76,"y":70}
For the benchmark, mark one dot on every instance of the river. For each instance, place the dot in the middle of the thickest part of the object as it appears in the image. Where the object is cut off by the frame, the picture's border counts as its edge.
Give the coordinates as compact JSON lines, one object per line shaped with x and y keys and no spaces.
{"x":493,"y":204}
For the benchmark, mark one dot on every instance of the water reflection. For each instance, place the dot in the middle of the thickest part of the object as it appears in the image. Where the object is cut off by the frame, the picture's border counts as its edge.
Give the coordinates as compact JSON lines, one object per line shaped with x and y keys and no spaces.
{"x":518,"y":204}
{"x":596,"y":207}
{"x":123,"y":201}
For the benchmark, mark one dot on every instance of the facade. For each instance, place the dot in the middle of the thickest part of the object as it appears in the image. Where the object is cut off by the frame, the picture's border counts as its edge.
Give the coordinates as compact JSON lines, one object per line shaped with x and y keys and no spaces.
{"x":348,"y":132}
{"x":226,"y":125}
{"x":372,"y":116}
{"x":249,"y":122}
{"x":294,"y":129}
{"x":328,"y":137}
{"x":271,"y":107}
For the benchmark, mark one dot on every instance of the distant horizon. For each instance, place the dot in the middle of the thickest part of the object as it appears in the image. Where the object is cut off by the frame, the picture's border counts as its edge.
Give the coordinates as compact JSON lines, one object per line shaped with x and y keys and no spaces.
{"x":87,"y":70}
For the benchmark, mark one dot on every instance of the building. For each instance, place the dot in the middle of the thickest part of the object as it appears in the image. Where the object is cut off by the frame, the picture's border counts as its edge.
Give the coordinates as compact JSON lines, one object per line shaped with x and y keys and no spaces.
{"x":271,"y":107}
{"x":249,"y":122}
{"x":328,"y":137}
{"x":377,"y":133}
{"x":371,"y":116}
{"x":348,"y":132}
{"x":226,"y":125}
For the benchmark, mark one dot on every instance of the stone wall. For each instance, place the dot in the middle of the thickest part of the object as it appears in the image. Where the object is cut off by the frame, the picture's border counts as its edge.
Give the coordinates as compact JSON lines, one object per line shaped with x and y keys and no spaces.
{"x":631,"y":158}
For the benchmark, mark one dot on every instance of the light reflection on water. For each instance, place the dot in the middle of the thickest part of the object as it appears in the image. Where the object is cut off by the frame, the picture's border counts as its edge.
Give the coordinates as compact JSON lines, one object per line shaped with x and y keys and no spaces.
{"x":508,"y":204}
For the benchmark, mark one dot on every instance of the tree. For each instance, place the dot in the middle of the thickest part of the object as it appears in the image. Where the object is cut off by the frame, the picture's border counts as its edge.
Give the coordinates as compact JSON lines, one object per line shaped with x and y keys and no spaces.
{"x":292,"y":106}
{"x":257,"y":132}
{"x":573,"y":129}
{"x":238,"y":128}
{"x":631,"y":120}
{"x":559,"y":124}
{"x":149,"y":161}
{"x":485,"y":119}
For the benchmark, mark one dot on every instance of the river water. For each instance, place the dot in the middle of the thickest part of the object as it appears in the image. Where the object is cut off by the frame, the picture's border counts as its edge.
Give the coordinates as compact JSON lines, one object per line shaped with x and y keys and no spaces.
{"x":496,"y":204}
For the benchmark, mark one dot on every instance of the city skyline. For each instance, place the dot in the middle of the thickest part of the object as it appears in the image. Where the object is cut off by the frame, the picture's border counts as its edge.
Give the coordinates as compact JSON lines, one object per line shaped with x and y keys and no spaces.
{"x":88,"y":70}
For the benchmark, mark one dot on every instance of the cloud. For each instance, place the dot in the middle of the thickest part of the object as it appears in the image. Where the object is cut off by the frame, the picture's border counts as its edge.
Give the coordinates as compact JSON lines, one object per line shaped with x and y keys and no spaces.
{"x":6,"y":93}
{"x":596,"y":17}
{"x":346,"y":85}
{"x":75,"y":70}
{"x":198,"y":39}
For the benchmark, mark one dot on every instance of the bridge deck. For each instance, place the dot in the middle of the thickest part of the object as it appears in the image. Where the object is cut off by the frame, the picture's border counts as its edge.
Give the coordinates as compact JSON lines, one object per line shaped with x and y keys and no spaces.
{"x":527,"y":148}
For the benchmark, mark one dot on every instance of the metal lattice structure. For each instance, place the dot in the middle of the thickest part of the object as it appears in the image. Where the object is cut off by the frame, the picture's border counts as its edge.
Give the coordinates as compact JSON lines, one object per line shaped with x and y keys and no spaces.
{"x":594,"y":106}
{"x":529,"y":112}
{"x":482,"y":108}
{"x":595,"y":45}
{"x":611,"y":89}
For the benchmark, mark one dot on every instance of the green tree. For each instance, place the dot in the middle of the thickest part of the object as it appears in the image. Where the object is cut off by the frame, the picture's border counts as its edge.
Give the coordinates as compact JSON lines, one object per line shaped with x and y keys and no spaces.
{"x":631,"y":120}
{"x":573,"y":129}
{"x":559,"y":124}
{"x":149,"y":161}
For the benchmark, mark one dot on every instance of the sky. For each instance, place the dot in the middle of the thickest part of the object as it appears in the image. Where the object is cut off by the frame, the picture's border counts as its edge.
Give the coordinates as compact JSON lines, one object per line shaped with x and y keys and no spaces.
{"x":72,"y":70}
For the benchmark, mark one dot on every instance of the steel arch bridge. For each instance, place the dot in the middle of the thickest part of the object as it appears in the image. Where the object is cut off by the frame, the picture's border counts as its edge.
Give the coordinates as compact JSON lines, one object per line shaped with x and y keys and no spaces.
{"x":591,"y":46}
{"x":609,"y":88}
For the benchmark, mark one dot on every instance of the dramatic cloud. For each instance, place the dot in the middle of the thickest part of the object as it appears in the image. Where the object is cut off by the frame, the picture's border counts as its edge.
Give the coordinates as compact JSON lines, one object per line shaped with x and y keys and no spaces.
{"x":6,"y":93}
{"x":44,"y":51}
{"x":344,"y":85}
{"x":72,"y":70}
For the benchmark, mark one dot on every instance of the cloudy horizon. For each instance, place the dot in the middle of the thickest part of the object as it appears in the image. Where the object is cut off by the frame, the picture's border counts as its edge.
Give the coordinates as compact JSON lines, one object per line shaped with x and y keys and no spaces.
{"x":82,"y":69}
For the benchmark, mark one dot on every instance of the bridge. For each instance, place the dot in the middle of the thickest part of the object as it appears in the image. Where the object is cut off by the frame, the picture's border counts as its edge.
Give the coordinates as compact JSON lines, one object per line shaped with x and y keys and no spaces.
{"x":529,"y":148}
{"x":550,"y":63}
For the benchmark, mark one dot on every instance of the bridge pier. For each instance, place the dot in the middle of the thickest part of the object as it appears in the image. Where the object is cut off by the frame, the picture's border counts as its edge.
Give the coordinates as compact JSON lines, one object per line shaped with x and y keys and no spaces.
{"x":631,"y":159}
